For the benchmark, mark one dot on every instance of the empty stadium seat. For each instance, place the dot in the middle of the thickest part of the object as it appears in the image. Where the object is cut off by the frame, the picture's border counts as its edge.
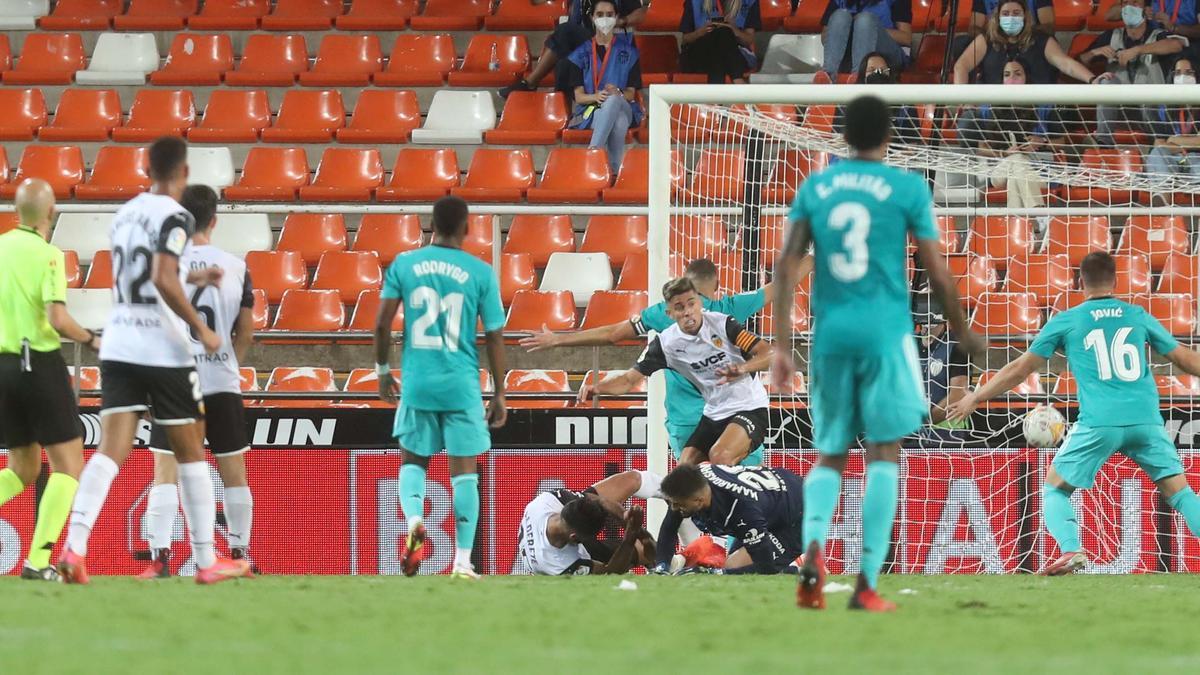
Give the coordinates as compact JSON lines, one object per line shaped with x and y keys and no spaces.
{"x":540,"y":237}
{"x":609,"y":402}
{"x":210,"y":166}
{"x":1155,"y":236}
{"x":719,"y":175}
{"x":302,"y":15}
{"x":699,"y":236}
{"x":8,"y":220}
{"x":270,"y":61}
{"x":157,"y":112}
{"x":120,"y":173}
{"x":530,"y":310}
{"x":482,"y":231}
{"x":81,"y":15}
{"x":457,"y":117}
{"x":195,"y":59}
{"x":22,"y":14}
{"x":530,"y":118}
{"x":275,"y":272}
{"x":365,"y":380}
{"x":492,"y":60}
{"x":89,"y":306}
{"x":1179,"y":275}
{"x":312,"y":235}
{"x":84,"y":233}
{"x":517,"y":273}
{"x":539,"y":382}
{"x":59,"y":165}
{"x":1133,"y":274}
{"x":801,"y":319}
{"x":366,"y":312}
{"x":83,"y":115}
{"x":382,"y":116}
{"x":662,"y":16}
{"x":388,"y":235}
{"x":580,"y":273}
{"x":634,"y":273}
{"x":349,"y":273}
{"x":464,"y":15}
{"x":421,"y":175}
{"x":1001,"y":238}
{"x":345,"y":61}
{"x":233,"y":117}
{"x":300,"y":380}
{"x":1006,"y":314}
{"x":240,"y":233}
{"x":377,"y":15}
{"x":71,"y":269}
{"x":89,"y":377}
{"x":1176,"y":311}
{"x":658,"y":57}
{"x":230,"y":15}
{"x":418,"y":61}
{"x":524,"y":15}
{"x":48,"y":58}
{"x":24,"y":112}
{"x":307,"y":117}
{"x":609,"y":307}
{"x":790,"y":169}
{"x":100,"y":270}
{"x":633,"y":180}
{"x":249,"y":378}
{"x":497,"y":175}
{"x":313,"y":310}
{"x":975,"y":275}
{"x":1030,"y":386}
{"x":121,"y":58}
{"x":572,"y":176}
{"x":1046,"y":276}
{"x":270,"y":174}
{"x":261,"y":311}
{"x":1122,"y":160}
{"x":616,"y":236}
{"x":156,"y":14}
{"x":345,"y":174}
{"x":1076,"y":236}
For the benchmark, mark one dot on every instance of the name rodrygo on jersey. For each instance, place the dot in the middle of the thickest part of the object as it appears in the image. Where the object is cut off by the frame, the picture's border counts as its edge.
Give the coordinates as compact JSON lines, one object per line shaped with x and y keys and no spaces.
{"x":219,"y":306}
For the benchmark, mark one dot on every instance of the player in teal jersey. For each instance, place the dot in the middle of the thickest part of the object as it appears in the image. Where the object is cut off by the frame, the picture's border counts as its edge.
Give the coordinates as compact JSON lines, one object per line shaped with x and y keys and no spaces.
{"x":1105,"y":343}
{"x":864,"y":377}
{"x":445,"y":290}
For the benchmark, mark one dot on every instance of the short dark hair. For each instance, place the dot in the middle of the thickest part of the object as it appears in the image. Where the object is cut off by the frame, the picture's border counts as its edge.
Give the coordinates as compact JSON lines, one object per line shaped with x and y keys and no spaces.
{"x":683,"y":482}
{"x":677,"y":286}
{"x":167,"y":154}
{"x":701,"y":269}
{"x":1098,"y":269}
{"x":201,"y":202}
{"x":450,"y":216}
{"x":585,"y":516}
{"x":868,"y":123}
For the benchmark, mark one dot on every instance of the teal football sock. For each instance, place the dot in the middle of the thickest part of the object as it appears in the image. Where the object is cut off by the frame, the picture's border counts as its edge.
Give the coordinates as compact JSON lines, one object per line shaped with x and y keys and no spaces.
{"x":1188,"y":505}
{"x":466,"y":509}
{"x":822,"y":488}
{"x":412,"y":492}
{"x":878,"y":514}
{"x":1060,"y":519}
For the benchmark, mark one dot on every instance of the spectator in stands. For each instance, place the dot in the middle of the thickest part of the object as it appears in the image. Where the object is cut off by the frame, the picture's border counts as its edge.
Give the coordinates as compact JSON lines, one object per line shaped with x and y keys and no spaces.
{"x":1177,"y":18}
{"x":1017,"y":134}
{"x":1040,"y":11}
{"x":945,"y":367}
{"x":1177,"y":132}
{"x":876,"y":69}
{"x":718,"y":38}
{"x":605,"y":75}
{"x":568,"y":36}
{"x":855,"y":28}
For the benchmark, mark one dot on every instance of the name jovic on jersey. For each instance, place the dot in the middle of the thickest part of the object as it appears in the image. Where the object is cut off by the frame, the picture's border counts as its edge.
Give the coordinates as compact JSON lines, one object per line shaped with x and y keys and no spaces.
{"x":219,"y":306}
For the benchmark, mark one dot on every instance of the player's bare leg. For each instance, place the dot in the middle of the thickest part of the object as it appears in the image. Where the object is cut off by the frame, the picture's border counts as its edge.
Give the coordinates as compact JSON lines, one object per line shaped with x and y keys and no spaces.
{"x":412,"y":503}
{"x":878,"y":514}
{"x":464,"y":479}
{"x":732,"y":446}
{"x":1060,"y":520}
{"x":823,"y":484}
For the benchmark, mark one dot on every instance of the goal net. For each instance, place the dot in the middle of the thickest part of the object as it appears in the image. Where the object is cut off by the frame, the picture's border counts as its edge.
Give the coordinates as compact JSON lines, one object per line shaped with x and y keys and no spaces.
{"x":1026,"y":181}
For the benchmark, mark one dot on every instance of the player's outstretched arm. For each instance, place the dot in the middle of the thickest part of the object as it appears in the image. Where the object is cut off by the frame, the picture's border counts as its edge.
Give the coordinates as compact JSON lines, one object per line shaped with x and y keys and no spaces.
{"x":1185,"y":359}
{"x":946,"y":292}
{"x":497,"y":410}
{"x":592,"y":337}
{"x":626,"y":554}
{"x":388,"y":391}
{"x":1012,"y":374}
{"x":788,"y":272}
{"x":614,"y":384}
{"x":800,"y":272}
{"x":165,"y":276}
{"x":618,"y":488}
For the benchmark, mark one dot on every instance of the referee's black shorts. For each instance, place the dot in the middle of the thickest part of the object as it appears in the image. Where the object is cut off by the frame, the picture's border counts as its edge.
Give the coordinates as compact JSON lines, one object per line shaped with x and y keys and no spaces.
{"x":225,"y":429}
{"x":37,"y":406}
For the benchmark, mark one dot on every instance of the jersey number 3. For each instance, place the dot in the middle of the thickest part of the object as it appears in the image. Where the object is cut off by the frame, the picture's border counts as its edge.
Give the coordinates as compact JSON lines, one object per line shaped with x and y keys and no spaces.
{"x":850,"y":265}
{"x":436,"y":306}
{"x":1120,"y":357}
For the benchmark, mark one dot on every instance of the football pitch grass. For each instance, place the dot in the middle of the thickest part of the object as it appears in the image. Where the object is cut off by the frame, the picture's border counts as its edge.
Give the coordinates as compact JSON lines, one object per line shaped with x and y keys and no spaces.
{"x":696,"y":624}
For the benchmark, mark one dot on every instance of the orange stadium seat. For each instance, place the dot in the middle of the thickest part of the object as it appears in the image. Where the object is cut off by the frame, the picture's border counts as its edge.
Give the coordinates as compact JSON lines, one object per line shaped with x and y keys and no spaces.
{"x":481,"y":237}
{"x":616,"y":236}
{"x":1122,"y":160}
{"x":609,"y":307}
{"x":349,"y":272}
{"x":1067,"y":300}
{"x":344,"y":61}
{"x":261,"y":310}
{"x":662,"y":16}
{"x":1001,"y":238}
{"x":774,"y":12}
{"x":608,"y":402}
{"x":463,"y":15}
{"x":5,"y":53}
{"x":48,"y":58}
{"x":307,"y":116}
{"x":633,"y":180}
{"x":530,"y":118}
{"x":699,"y":236}
{"x":1065,"y":384}
{"x":947,"y":235}
{"x":537,"y":382}
{"x":388,"y":235}
{"x":81,"y":15}
{"x":1007,"y":314}
{"x":248,"y":377}
{"x":84,"y":114}
{"x":157,"y":112}
{"x":270,"y":61}
{"x":345,"y":174}
{"x":71,"y":267}
{"x":421,"y":175}
{"x":1170,"y":386}
{"x":931,"y":54}
{"x":1043,"y":275}
{"x":530,"y":310}
{"x":1030,"y":386}
{"x":300,"y":380}
{"x":1179,"y":275}
{"x":771,"y":231}
{"x":375,"y":15}
{"x":99,"y":274}
{"x":315,"y":310}
{"x":540,"y":237}
{"x":939,"y":19}
{"x":693,"y":123}
{"x":233,"y":116}
{"x":792,"y":167}
{"x":302,"y":15}
{"x":572,"y":176}
{"x":366,"y":312}
{"x":1176,"y":311}
{"x":120,"y":173}
{"x":658,"y":56}
{"x":1077,"y":236}
{"x":635,"y":273}
{"x":976,"y":275}
{"x":1097,"y":21}
{"x":820,"y":117}
{"x":801,"y":318}
{"x":364,"y":380}
{"x":1133,"y":274}
{"x":382,"y":116}
{"x":275,"y":272}
{"x":517,"y":273}
{"x":196,"y":59}
{"x":59,"y":165}
{"x":497,"y":175}
{"x":8,"y":219}
{"x":1071,"y":15}
{"x":25,"y":112}
{"x":230,"y":15}
{"x":1155,"y":236}
{"x":418,"y":61}
{"x":148,"y":15}
{"x":270,"y":174}
{"x":524,"y":15}
{"x":719,"y":176}
{"x":478,"y":69}
{"x":89,"y":378}
{"x":312,"y":235}
{"x":807,"y":18}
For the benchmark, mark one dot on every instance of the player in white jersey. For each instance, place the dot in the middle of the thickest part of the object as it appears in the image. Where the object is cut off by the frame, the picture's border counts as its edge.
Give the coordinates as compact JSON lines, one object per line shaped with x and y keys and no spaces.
{"x":146,"y":364}
{"x":228,"y":309}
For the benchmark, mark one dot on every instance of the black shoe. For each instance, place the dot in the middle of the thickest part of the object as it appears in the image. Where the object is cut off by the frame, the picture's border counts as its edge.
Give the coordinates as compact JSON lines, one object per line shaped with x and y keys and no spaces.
{"x":519,"y":85}
{"x":240,"y":553}
{"x":32,"y":573}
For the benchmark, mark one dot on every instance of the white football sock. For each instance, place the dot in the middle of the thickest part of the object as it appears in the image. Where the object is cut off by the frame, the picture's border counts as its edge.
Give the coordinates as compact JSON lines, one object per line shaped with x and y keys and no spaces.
{"x":161,"y":508}
{"x":94,"y":482}
{"x":413,"y":522}
{"x":651,"y":482}
{"x":200,"y":507}
{"x":239,"y":514}
{"x":462,"y":558}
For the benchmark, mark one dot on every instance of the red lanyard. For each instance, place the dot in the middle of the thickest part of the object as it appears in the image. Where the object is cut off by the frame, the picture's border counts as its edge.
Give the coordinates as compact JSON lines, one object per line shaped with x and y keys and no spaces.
{"x":598,"y":74}
{"x":1162,"y":4}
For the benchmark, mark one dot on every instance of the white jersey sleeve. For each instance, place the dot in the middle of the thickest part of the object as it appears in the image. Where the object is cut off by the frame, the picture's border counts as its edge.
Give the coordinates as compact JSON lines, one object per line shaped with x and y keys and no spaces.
{"x":541,"y":556}
{"x":721,"y":341}
{"x":219,"y":306}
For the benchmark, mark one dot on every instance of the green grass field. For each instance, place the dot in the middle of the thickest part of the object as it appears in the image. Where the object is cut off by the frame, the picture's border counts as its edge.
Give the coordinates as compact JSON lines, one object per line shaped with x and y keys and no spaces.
{"x":951,"y":624}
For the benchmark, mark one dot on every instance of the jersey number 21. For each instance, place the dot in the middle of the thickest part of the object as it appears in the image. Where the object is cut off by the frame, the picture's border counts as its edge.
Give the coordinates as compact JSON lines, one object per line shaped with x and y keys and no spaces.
{"x":435,"y":306}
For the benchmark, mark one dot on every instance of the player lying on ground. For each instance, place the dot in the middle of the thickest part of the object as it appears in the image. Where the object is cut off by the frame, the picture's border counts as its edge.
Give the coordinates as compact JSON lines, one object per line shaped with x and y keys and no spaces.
{"x":864,"y":378}
{"x":1105,"y":343}
{"x":228,"y":309}
{"x":445,"y":291}
{"x":559,"y":528}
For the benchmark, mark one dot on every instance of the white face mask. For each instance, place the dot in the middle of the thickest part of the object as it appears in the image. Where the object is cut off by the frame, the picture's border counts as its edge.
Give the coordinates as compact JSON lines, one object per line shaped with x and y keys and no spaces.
{"x":605,"y":24}
{"x":1185,"y":79}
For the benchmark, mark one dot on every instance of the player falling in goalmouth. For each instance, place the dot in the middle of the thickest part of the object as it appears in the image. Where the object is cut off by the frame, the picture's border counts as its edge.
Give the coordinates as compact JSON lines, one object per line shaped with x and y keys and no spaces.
{"x":1105,"y":343}
{"x":445,"y":291}
{"x":864,"y":376}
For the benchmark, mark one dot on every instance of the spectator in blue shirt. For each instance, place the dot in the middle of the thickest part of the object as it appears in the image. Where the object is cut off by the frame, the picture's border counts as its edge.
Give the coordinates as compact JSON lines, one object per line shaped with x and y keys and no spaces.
{"x":1178,"y":142}
{"x":855,"y":28}
{"x":718,"y":38}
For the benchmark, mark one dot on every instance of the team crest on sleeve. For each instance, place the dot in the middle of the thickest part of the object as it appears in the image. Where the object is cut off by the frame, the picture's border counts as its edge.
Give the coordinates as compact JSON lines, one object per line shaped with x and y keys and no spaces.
{"x":177,"y":240}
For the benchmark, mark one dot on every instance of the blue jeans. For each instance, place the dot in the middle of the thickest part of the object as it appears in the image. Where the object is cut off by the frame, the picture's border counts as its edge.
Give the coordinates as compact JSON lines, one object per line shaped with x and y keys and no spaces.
{"x":1162,"y":161}
{"x":610,"y":122}
{"x":862,"y":34}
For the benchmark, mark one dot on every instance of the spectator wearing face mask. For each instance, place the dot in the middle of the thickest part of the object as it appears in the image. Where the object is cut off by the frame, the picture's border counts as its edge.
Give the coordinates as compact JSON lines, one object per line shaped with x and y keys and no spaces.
{"x":1009,"y":35}
{"x":1040,"y":12}
{"x":1177,"y":17}
{"x":855,"y":28}
{"x":1018,"y":135}
{"x":718,"y":38}
{"x":876,"y":69}
{"x":1178,"y":136}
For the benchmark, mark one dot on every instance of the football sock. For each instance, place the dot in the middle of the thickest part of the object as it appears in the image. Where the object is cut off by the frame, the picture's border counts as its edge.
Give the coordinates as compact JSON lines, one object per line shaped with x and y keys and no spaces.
{"x":200,"y":507}
{"x":462,"y":558}
{"x":822,"y":488}
{"x":650,"y":483}
{"x":412,"y":494}
{"x":466,"y":514}
{"x":10,"y":485}
{"x":1060,"y":519}
{"x":1188,"y":505}
{"x":94,"y":482}
{"x":878,"y":514}
{"x":239,"y":514}
{"x":52,"y":515}
{"x":161,"y":508}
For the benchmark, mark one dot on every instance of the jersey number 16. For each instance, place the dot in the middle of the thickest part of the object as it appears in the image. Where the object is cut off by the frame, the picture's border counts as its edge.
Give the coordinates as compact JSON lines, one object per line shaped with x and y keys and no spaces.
{"x":1119,"y":357}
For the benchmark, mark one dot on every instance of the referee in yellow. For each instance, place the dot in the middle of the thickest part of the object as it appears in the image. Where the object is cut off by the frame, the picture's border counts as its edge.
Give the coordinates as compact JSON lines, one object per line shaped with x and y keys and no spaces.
{"x":37,"y":403}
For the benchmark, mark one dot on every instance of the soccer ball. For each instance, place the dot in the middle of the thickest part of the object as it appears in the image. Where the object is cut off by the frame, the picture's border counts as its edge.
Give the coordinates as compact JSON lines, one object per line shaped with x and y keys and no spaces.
{"x":1044,"y":427}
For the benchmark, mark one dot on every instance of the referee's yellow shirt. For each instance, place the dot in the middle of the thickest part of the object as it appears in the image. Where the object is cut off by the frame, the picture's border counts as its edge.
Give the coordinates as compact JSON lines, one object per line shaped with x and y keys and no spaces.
{"x":32,"y":274}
